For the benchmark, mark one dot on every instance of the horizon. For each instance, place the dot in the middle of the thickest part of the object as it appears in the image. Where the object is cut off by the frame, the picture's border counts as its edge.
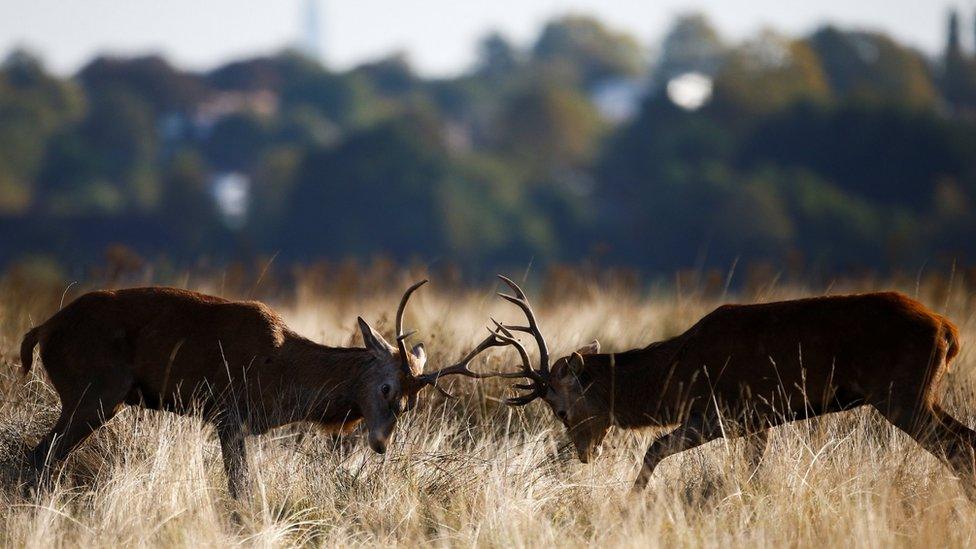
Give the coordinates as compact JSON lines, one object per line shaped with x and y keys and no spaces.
{"x":441,"y":42}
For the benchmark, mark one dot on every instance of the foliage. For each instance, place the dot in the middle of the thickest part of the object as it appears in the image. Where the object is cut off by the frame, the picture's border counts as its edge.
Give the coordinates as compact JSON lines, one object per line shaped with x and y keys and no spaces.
{"x":872,"y":67}
{"x":590,"y":50}
{"x":843,"y":148}
{"x":691,"y":45}
{"x":768,"y":74}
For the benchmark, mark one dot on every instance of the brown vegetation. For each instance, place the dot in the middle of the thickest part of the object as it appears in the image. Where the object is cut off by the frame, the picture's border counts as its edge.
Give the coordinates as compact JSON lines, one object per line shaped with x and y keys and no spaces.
{"x":471,"y":471}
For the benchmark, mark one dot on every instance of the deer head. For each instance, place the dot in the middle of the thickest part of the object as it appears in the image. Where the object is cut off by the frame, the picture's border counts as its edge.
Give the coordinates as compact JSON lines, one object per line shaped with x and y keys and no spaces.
{"x":390,"y":387}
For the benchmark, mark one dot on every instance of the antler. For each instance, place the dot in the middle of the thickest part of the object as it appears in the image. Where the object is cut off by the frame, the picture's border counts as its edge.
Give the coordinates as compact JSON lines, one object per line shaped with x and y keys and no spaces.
{"x":539,"y":378}
{"x":533,"y":328}
{"x":500,"y":337}
{"x":400,"y":336}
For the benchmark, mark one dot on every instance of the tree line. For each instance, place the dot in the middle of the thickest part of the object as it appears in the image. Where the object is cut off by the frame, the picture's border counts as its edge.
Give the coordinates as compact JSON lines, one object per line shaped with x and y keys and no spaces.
{"x":839,"y":150}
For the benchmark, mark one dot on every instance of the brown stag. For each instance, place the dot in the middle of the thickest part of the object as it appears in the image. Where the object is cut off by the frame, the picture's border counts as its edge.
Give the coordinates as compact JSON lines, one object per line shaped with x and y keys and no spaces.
{"x":743,"y":369}
{"x":235,"y":364}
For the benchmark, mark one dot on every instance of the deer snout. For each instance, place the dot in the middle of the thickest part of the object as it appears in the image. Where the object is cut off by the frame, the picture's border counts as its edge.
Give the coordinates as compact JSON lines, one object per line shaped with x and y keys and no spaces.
{"x":587,"y":451}
{"x":583,"y":451}
{"x":378,"y":446}
{"x":380,"y":438}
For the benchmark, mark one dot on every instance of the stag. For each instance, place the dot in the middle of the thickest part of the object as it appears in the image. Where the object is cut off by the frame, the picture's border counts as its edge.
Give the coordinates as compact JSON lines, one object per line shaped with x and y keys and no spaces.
{"x":235,"y":364}
{"x":743,"y":369}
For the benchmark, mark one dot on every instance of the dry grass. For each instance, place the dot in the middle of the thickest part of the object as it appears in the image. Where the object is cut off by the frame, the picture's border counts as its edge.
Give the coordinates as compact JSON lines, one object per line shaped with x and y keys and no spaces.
{"x":471,"y":472}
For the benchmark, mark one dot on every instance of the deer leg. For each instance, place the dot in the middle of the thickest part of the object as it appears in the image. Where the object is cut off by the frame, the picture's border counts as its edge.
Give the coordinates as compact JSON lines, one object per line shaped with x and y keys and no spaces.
{"x":695,"y":431}
{"x":756,"y":448}
{"x":956,"y":426}
{"x":234,"y":452}
{"x":941,"y":435}
{"x":79,"y":418}
{"x":961,"y":450}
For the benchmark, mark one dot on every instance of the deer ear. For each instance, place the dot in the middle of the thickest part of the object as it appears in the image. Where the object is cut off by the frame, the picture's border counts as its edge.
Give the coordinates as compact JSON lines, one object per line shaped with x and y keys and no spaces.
{"x":374,"y":341}
{"x":590,"y":348}
{"x":420,"y":353}
{"x":575,"y":364}
{"x":416,"y":365}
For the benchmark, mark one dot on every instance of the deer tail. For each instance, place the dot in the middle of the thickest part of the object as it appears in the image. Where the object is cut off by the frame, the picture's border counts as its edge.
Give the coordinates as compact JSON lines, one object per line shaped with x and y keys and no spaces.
{"x":27,"y":350}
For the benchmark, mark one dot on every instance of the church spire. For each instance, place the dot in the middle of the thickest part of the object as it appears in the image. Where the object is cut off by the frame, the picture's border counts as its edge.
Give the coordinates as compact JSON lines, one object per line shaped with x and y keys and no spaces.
{"x":312,"y":31}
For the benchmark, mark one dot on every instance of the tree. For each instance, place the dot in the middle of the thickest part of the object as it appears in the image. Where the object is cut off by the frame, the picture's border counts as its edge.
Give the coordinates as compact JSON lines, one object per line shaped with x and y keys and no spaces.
{"x":691,"y":45}
{"x":872,"y":67}
{"x":661,"y":141}
{"x":34,"y":107}
{"x":834,"y":230}
{"x":271,"y":73}
{"x":497,"y":57}
{"x":345,"y":99}
{"x":104,"y":164}
{"x":766,"y":74}
{"x":703,"y":215}
{"x":154,"y":81}
{"x":882,"y":153}
{"x":548,"y":129}
{"x":390,"y":77}
{"x":490,"y":217}
{"x":589,"y":50}
{"x":121,"y":131}
{"x":374,"y":192}
{"x":187,"y":198}
{"x":272,"y":193}
{"x":237,"y":141}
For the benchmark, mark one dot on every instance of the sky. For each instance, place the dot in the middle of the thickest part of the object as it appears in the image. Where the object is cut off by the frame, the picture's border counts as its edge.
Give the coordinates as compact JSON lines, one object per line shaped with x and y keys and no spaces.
{"x":438,"y":36}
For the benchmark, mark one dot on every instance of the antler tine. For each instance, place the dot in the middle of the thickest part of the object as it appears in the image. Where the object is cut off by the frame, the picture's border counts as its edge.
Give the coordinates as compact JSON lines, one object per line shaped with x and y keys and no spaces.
{"x":527,"y":370}
{"x":499,"y":327}
{"x":523,"y":400}
{"x":441,"y":390}
{"x":400,"y":336}
{"x":403,"y":305}
{"x":520,"y":300}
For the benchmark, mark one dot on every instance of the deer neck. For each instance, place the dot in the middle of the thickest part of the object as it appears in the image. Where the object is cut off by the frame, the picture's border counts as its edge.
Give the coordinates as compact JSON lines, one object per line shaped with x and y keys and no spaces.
{"x":322,"y":381}
{"x":633,"y":384}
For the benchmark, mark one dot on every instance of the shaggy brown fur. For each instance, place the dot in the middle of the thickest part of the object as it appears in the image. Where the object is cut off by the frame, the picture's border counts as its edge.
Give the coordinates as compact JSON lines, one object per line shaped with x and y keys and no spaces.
{"x":744,"y":368}
{"x":236,"y":364}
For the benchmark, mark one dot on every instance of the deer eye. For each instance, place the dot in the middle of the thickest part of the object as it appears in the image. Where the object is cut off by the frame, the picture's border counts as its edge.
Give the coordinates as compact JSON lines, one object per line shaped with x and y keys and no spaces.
{"x":385,"y":389}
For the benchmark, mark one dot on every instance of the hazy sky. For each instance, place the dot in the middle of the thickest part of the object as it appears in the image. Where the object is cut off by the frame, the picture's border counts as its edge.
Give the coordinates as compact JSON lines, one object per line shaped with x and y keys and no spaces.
{"x":439,"y":36}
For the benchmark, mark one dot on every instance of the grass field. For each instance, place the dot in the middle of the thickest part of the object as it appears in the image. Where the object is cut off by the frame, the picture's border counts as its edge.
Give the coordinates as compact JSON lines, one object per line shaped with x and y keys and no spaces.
{"x":471,"y":472}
